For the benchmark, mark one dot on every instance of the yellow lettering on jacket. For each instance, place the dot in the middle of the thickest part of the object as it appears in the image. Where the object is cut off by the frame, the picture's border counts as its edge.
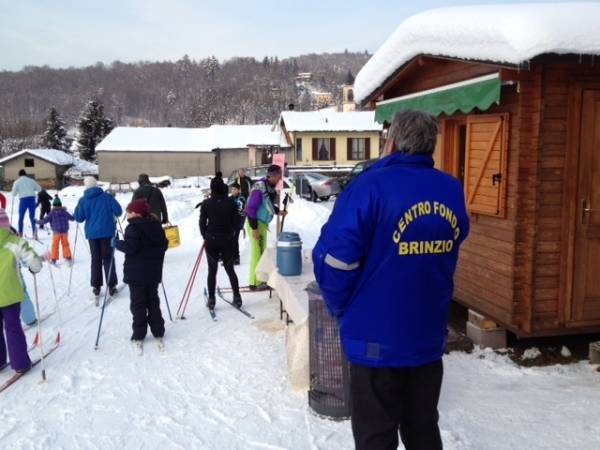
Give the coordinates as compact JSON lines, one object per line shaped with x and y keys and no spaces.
{"x":425,"y":247}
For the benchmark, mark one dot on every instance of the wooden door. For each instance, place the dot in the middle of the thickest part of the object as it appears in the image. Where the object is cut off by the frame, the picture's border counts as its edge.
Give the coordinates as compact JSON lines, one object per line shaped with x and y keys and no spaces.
{"x":586,"y":279}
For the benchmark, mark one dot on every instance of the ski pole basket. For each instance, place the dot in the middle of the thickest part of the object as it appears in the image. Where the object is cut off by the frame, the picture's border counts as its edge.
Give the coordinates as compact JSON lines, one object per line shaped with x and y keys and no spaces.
{"x":329,"y":393}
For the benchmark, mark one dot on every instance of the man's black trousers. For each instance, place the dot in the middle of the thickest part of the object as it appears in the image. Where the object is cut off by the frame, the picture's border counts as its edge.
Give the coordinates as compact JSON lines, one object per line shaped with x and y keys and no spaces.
{"x":388,"y":400}
{"x":145,"y":308}
{"x":220,"y":249}
{"x":102,"y":255}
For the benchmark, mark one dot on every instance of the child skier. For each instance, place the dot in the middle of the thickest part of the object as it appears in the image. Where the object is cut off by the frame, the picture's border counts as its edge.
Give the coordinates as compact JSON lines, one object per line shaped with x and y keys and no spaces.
{"x":12,"y":250}
{"x":240,"y":201}
{"x":59,"y":219}
{"x":144,"y":246}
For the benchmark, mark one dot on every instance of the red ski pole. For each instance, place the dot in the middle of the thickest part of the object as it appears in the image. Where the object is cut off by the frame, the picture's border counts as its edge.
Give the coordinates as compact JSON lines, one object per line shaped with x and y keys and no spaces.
{"x":188,"y":290}
{"x":187,"y":287}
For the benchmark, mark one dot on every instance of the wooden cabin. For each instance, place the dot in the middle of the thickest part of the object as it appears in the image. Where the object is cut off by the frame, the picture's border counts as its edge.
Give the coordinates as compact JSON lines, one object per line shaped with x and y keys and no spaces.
{"x":524,"y":138}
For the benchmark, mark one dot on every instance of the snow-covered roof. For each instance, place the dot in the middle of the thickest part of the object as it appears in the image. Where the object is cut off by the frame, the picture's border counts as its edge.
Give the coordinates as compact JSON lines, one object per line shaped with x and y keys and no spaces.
{"x":240,"y":136}
{"x":157,"y":140}
{"x":325,"y":120}
{"x":507,"y":33}
{"x":57,"y":157}
{"x":191,"y":139}
{"x":81,"y":168}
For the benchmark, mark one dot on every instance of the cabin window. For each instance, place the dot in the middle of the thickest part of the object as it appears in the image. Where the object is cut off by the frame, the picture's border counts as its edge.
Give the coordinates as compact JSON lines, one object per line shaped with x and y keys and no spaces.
{"x":358,"y":149}
{"x":323,"y":149}
{"x":484,"y":167}
{"x":298,"y":149}
{"x":29,"y":162}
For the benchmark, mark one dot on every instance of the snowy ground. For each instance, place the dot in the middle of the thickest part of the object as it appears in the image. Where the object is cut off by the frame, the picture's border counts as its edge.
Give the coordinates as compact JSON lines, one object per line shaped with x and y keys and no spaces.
{"x":223,"y":385}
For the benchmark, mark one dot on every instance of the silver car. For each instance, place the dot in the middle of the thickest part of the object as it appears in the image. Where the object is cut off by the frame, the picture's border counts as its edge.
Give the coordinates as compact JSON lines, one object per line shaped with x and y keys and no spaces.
{"x":315,"y":186}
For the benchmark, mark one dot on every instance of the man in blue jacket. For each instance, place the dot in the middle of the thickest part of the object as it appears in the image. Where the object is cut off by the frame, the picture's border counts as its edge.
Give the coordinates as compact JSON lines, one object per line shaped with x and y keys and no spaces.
{"x":385,"y":262}
{"x":99,"y":210}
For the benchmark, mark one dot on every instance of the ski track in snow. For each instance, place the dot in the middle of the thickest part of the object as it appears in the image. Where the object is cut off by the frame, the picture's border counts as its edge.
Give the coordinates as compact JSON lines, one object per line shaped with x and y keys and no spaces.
{"x":223,"y":385}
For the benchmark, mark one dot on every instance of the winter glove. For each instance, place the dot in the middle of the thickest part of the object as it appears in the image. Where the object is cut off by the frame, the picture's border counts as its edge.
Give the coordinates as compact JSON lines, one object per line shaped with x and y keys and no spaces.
{"x":114,"y":240}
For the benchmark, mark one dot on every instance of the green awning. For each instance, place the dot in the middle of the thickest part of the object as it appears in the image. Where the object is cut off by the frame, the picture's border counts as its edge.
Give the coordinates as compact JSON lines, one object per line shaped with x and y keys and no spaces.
{"x":479,"y":93}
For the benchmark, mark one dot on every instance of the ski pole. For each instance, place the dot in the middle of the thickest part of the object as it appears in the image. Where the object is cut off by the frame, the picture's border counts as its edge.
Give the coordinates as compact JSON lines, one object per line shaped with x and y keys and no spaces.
{"x":110,"y":267}
{"x":39,"y":328}
{"x":12,"y":209}
{"x":52,"y":281}
{"x":187,"y":287}
{"x":188,"y":290}
{"x":73,"y":260}
{"x":285,"y":203}
{"x":167,"y":301}
{"x":120,"y":226}
{"x":81,"y":233}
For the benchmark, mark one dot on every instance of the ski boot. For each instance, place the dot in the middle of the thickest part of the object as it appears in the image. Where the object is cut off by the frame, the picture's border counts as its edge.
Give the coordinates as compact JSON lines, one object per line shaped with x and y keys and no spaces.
{"x":237,"y":301}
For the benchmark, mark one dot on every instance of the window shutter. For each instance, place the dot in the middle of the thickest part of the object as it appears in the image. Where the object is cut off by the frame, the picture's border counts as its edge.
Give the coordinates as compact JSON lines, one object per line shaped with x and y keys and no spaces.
{"x":332,"y":149}
{"x":368,"y":148}
{"x":486,"y":165}
{"x":349,"y":149}
{"x":315,"y":150}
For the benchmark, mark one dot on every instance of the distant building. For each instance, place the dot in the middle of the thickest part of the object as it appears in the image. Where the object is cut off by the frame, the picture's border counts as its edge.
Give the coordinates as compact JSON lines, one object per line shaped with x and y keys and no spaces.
{"x":330,"y":137}
{"x":322,"y":99}
{"x":348,"y":104}
{"x":46,"y":166}
{"x":304,"y":76}
{"x":185,"y":152}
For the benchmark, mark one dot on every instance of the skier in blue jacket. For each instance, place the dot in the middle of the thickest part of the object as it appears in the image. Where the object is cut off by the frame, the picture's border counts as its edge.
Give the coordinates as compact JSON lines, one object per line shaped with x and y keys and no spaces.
{"x":99,"y":210}
{"x":385,"y":262}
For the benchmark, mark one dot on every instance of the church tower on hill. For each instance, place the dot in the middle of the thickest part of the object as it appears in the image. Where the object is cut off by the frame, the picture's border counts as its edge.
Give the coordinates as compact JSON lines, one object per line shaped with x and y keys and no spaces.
{"x":348,"y":104}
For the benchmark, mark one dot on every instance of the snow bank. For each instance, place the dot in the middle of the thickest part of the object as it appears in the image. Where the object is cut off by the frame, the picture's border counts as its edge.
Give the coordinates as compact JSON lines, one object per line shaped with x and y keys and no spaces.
{"x":509,"y":33}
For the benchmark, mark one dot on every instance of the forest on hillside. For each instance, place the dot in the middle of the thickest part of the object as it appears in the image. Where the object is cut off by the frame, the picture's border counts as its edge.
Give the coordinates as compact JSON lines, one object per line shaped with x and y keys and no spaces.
{"x":185,"y":93}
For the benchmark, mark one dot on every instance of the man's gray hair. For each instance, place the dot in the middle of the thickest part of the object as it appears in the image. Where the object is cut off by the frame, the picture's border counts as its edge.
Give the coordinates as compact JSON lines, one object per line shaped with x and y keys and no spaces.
{"x":414,"y":132}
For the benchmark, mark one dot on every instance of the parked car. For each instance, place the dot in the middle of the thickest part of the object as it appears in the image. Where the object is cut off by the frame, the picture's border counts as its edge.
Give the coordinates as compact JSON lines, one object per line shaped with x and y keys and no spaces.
{"x":255,"y":173}
{"x":356,"y":170}
{"x":315,"y":186}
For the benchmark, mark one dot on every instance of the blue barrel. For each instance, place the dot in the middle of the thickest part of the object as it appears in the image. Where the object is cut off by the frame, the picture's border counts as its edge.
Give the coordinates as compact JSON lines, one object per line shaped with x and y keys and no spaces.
{"x":289,"y":254}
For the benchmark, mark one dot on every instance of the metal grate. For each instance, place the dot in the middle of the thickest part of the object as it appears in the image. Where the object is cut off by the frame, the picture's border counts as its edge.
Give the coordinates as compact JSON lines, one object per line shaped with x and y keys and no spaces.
{"x":329,"y":393}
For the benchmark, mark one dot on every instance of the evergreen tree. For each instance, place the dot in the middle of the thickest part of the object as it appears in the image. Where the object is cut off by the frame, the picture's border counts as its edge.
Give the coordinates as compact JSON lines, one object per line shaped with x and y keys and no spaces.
{"x":92,"y":126}
{"x":55,"y":134}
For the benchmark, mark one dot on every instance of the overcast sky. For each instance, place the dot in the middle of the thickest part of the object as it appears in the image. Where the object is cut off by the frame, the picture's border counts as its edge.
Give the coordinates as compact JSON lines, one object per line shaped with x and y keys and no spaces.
{"x":63,"y":33}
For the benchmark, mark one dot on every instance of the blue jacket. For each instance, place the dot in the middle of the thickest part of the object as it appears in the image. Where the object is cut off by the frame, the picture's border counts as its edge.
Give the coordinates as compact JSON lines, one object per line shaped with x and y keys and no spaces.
{"x":98,"y":210}
{"x":385,"y":261}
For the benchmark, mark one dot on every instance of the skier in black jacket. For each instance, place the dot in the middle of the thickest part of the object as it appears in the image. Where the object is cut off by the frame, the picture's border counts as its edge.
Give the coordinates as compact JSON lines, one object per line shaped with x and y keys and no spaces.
{"x":158,"y":206}
{"x":144,"y":246}
{"x":219,"y":221}
{"x":44,"y":202}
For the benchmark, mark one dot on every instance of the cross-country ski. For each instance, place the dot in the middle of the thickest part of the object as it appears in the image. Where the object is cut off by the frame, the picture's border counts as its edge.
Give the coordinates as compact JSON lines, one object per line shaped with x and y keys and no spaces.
{"x":231,"y":303}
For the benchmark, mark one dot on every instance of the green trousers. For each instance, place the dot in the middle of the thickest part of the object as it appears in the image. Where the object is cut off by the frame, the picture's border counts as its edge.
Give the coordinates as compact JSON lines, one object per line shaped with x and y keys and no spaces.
{"x":257,"y":247}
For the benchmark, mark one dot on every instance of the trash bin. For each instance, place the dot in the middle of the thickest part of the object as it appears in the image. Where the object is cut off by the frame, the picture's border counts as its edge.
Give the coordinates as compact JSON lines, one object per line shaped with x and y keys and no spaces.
{"x":329,"y":393}
{"x":289,"y":254}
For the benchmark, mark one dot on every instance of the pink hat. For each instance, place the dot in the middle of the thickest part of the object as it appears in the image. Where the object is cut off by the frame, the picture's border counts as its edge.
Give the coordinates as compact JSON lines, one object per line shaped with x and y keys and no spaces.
{"x":4,"y":222}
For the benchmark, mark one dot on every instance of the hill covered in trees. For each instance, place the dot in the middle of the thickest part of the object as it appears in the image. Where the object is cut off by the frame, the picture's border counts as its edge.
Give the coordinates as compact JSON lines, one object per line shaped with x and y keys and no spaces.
{"x":184,"y":93}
